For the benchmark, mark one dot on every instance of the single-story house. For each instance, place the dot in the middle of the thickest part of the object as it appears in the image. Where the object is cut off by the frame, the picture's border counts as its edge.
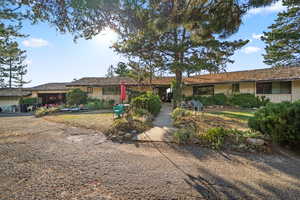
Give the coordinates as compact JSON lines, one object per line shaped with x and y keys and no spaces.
{"x":277,"y":84}
{"x":10,"y":97}
{"x":49,"y":93}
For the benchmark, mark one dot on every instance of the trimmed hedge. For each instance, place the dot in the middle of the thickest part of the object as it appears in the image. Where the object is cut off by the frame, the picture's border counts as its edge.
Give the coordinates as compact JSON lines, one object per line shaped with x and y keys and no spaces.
{"x":241,"y":100}
{"x":148,"y":101}
{"x":281,"y":121}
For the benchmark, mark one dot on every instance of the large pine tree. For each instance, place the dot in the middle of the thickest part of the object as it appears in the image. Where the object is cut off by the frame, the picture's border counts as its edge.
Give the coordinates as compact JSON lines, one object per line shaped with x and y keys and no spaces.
{"x":283,"y":41}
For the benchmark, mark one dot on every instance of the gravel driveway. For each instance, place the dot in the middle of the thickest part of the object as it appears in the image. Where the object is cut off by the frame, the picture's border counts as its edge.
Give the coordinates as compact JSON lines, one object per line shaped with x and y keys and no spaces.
{"x":45,"y":160}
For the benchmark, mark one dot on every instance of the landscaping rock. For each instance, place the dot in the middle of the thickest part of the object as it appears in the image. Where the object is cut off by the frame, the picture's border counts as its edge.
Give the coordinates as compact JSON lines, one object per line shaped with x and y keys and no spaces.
{"x":134,"y":131}
{"x":254,"y":141}
{"x":127,"y":136}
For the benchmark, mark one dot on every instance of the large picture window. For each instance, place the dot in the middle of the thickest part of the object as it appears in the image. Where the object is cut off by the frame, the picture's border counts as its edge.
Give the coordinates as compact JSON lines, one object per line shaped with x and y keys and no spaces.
{"x":203,"y":90}
{"x":111,"y":90}
{"x":274,"y":88}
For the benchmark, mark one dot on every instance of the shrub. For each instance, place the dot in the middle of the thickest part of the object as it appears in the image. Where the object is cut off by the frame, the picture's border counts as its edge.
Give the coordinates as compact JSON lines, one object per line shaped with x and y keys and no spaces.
{"x":76,"y":97}
{"x":30,"y":101}
{"x":141,"y":112}
{"x":180,"y":112}
{"x":248,"y":101}
{"x":281,"y":121}
{"x":182,"y":136}
{"x":220,"y":99}
{"x":95,"y":105}
{"x":148,"y":101}
{"x":214,"y":136}
{"x":45,"y":111}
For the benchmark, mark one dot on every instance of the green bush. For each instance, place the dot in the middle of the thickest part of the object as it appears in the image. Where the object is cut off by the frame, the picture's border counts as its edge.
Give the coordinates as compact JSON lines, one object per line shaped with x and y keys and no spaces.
{"x":180,"y":112}
{"x":45,"y":111}
{"x":30,"y":101}
{"x":141,"y":112}
{"x":241,"y":100}
{"x":281,"y":121}
{"x":220,"y":99}
{"x":248,"y":101}
{"x":148,"y":101}
{"x":215,"y":136}
{"x":76,"y":97}
{"x":95,"y":105}
{"x":182,"y":136}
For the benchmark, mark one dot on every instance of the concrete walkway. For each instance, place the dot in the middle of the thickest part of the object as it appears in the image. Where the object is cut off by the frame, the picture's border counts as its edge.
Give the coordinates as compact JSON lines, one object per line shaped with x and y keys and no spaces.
{"x":163,"y":128}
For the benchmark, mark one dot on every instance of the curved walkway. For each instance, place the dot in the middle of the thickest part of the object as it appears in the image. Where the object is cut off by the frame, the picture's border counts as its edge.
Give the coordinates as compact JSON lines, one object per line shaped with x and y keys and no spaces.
{"x":163,"y":128}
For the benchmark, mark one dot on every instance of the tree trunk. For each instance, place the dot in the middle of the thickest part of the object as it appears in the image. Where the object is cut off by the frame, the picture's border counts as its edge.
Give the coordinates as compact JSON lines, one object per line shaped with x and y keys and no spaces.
{"x":10,"y":74}
{"x":177,"y":93}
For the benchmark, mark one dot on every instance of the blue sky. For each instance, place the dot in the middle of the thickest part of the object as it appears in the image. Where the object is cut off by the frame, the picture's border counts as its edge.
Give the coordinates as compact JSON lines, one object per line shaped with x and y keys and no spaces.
{"x":54,"y":57}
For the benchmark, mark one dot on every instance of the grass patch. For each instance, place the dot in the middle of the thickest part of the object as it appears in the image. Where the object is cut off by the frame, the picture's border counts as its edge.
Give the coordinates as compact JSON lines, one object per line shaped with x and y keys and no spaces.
{"x":242,"y":115}
{"x":101,"y":122}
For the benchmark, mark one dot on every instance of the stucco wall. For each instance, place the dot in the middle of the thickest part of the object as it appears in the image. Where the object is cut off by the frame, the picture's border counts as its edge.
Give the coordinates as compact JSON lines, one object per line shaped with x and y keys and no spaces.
{"x":296,"y":90}
{"x":248,"y":87}
{"x":8,"y":101}
{"x":223,"y":88}
{"x":187,"y":91}
{"x":276,"y":98}
{"x":35,"y":93}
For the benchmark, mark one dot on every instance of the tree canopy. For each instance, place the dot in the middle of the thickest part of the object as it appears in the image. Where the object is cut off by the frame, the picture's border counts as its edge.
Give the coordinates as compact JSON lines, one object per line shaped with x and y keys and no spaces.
{"x":283,"y":41}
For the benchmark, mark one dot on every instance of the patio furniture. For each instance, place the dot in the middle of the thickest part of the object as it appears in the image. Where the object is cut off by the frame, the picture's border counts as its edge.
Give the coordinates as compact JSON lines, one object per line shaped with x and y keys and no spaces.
{"x":119,"y":110}
{"x":197,"y":105}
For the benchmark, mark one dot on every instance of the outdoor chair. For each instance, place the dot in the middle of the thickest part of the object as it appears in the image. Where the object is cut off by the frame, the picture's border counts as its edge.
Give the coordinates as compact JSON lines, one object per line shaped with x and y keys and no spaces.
{"x":119,"y":110}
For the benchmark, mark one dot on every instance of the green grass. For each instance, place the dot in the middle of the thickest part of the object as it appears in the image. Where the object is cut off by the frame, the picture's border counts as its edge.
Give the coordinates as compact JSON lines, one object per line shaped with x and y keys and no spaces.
{"x":243,"y":115}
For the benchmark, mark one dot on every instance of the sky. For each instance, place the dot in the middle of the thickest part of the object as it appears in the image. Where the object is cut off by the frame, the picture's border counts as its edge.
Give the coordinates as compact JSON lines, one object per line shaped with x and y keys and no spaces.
{"x":54,"y":57}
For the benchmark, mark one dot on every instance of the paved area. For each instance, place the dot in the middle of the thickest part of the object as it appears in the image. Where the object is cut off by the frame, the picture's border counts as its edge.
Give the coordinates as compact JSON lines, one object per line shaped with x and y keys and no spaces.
{"x":45,"y":160}
{"x":163,"y":128}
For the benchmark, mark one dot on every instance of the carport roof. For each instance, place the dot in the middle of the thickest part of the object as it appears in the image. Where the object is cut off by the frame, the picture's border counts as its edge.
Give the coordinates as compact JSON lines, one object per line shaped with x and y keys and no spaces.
{"x":13,"y":92}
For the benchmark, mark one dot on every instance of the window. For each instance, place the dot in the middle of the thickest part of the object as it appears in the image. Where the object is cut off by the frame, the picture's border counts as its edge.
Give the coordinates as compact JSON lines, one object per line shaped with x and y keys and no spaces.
{"x":264,"y":88}
{"x":89,"y":90}
{"x":111,"y":90}
{"x":203,"y":90}
{"x":274,"y":88}
{"x":236,"y":88}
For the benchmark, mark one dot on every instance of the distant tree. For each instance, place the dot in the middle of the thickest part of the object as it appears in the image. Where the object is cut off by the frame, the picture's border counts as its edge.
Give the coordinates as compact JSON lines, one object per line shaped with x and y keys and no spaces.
{"x":110,"y":71}
{"x":283,"y":41}
{"x":76,"y":97}
{"x":12,"y":65}
{"x":121,"y":69}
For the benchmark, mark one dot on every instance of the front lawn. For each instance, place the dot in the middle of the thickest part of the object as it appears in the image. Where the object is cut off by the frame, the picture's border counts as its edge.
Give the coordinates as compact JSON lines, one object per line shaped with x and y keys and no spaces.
{"x":101,"y":122}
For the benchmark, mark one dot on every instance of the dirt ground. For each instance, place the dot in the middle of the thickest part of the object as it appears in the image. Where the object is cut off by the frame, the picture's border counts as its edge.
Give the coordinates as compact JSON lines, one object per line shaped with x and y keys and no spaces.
{"x":46,"y":160}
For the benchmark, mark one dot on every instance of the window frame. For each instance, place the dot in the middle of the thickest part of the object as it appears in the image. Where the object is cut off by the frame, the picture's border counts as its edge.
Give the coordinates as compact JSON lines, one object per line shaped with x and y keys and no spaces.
{"x":196,"y":93}
{"x":279,"y":89}
{"x":90,"y":90}
{"x":111,"y":90}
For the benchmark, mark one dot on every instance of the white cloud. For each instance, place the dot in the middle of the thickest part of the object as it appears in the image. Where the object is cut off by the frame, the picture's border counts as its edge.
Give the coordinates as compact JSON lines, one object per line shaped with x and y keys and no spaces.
{"x":251,"y":49}
{"x":275,"y":7}
{"x":257,"y":36}
{"x":35,"y":42}
{"x":107,"y":37}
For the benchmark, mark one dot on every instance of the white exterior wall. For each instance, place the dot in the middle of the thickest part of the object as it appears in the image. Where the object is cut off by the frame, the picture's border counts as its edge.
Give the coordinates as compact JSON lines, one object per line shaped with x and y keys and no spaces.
{"x":223,"y":88}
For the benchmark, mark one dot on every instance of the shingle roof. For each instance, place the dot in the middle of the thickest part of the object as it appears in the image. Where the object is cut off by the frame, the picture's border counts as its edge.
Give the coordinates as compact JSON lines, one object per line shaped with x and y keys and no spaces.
{"x":268,"y":74}
{"x":49,"y":86}
{"x":13,"y":92}
{"x":103,"y":81}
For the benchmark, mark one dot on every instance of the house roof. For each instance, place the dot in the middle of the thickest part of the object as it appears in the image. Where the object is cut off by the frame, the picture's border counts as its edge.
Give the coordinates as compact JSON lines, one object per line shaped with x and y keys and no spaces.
{"x":104,"y":81}
{"x":268,"y":74}
{"x":13,"y":92}
{"x":49,"y":87}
